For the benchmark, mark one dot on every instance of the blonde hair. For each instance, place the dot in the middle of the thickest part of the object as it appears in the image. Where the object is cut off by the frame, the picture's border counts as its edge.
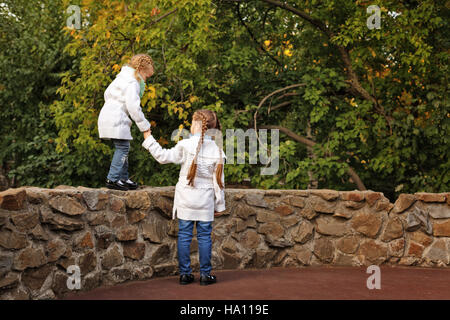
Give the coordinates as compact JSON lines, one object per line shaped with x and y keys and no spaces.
{"x":209,"y":121}
{"x":140,"y":62}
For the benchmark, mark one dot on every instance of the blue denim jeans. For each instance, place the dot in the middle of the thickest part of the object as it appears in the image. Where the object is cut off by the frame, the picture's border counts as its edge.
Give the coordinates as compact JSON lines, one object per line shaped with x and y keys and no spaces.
{"x":185,"y":228}
{"x":119,"y":164}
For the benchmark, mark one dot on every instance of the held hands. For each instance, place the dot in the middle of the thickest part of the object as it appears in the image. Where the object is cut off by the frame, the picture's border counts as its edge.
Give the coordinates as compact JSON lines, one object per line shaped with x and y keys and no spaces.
{"x":218,"y":214}
{"x":147,"y":133}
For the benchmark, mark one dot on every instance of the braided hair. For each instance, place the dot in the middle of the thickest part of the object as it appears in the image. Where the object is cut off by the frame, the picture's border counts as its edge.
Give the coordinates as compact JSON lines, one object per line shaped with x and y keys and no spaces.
{"x":209,"y":121}
{"x":141,"y":62}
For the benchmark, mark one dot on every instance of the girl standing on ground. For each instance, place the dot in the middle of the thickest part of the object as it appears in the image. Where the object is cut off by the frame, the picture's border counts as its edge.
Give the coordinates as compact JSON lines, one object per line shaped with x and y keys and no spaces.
{"x":123,"y":99}
{"x":199,"y":193}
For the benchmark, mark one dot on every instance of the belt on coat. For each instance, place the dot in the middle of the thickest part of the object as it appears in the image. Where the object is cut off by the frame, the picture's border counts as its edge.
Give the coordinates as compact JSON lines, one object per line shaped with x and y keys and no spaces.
{"x":199,"y":182}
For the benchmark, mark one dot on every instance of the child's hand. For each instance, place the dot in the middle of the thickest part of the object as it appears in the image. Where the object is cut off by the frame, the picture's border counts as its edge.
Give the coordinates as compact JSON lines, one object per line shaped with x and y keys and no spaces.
{"x":218,"y":214}
{"x":147,"y":133}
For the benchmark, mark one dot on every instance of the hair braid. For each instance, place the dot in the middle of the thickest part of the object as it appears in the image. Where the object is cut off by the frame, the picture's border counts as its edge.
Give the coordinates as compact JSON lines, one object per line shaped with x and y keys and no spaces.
{"x":209,"y":121}
{"x":193,"y":168}
{"x":219,"y":170}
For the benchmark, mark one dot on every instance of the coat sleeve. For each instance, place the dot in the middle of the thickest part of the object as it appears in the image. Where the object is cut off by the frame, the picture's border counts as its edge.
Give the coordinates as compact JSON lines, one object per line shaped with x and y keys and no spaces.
{"x":133,"y":104}
{"x":173,"y":155}
{"x":219,"y":203}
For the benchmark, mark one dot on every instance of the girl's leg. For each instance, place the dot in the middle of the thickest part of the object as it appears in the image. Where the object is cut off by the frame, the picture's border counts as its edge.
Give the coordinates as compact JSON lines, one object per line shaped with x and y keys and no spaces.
{"x":185,"y":228}
{"x":204,"y":229}
{"x":119,"y":159}
{"x":124,"y":172}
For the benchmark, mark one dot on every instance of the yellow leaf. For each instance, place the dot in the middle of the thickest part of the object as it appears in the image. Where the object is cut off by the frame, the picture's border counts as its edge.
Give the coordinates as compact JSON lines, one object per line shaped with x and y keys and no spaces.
{"x":151,"y":92}
{"x":288,"y":52}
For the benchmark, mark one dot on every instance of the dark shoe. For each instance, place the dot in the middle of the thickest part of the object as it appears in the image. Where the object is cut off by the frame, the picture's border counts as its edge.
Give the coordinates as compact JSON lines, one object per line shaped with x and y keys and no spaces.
{"x":130,"y":184}
{"x":207,"y":279}
{"x":186,"y":278}
{"x":118,"y":185}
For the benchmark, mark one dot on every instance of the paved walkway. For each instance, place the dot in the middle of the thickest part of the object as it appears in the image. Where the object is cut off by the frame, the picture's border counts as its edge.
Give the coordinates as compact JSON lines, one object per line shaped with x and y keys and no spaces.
{"x":287,"y":284}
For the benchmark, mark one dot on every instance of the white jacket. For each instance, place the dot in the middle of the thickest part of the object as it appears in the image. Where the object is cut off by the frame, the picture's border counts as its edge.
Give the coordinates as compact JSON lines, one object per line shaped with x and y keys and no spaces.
{"x":199,"y":202}
{"x":121,"y":100}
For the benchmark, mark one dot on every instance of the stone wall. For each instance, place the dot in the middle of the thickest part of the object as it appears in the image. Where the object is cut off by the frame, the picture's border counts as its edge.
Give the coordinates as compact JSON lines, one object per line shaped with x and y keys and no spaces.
{"x":117,"y":236}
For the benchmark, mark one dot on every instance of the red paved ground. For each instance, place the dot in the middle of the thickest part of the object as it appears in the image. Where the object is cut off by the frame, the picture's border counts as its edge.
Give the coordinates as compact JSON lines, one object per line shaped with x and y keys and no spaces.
{"x":287,"y":284}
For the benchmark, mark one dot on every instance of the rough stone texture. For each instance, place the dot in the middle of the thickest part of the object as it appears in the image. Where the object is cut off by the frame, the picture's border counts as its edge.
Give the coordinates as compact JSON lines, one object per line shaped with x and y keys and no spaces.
{"x":104,"y":237}
{"x":13,"y":199}
{"x":403,"y":202}
{"x":304,"y":232}
{"x":324,"y":249}
{"x":127,"y":233}
{"x":34,"y":278}
{"x":430,"y":197}
{"x":96,"y":200}
{"x":396,"y":248}
{"x":134,"y":216}
{"x":348,"y":244}
{"x":367,"y":223}
{"x":155,"y":231}
{"x":438,"y":210}
{"x":372,"y":252}
{"x":117,"y":205}
{"x":329,"y":225}
{"x":441,"y":229}
{"x":29,"y":258}
{"x":134,"y":250}
{"x":138,"y":200}
{"x":326,"y":194}
{"x":25,"y":221}
{"x":10,"y":281}
{"x":84,"y":241}
{"x":394,"y":230}
{"x":67,"y":205}
{"x":421,"y":238}
{"x":117,"y":236}
{"x":372,"y":197}
{"x":439,"y":251}
{"x":87,"y":262}
{"x":12,"y":240}
{"x":55,"y":249}
{"x":355,"y":196}
{"x":244,"y":211}
{"x":112,"y":258}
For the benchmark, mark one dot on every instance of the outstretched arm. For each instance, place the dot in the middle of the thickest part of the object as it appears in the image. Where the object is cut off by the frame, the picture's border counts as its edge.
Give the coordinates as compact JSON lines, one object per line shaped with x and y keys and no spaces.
{"x":173,"y":155}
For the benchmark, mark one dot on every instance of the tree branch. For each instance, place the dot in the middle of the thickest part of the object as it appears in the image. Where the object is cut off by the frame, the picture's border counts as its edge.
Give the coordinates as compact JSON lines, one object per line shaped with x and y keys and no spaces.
{"x":254,"y":38}
{"x":356,"y":179}
{"x":352,"y":77}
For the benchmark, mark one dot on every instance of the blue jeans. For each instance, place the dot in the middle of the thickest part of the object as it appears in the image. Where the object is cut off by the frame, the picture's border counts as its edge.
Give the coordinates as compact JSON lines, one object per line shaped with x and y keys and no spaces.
{"x":119,"y":164}
{"x":185,"y":229}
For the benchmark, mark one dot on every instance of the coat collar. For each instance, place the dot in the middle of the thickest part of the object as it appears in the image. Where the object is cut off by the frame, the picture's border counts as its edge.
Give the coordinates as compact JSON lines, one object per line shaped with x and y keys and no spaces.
{"x":127,"y":72}
{"x":197,"y":135}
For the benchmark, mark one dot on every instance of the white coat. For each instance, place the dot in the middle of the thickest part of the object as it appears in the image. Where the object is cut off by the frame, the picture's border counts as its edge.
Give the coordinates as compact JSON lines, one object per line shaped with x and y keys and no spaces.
{"x":199,"y":202}
{"x":121,"y":100}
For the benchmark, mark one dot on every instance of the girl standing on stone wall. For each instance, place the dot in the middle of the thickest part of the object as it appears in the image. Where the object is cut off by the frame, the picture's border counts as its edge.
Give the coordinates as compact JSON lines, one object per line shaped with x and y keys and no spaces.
{"x":199,"y":193}
{"x":123,"y":99}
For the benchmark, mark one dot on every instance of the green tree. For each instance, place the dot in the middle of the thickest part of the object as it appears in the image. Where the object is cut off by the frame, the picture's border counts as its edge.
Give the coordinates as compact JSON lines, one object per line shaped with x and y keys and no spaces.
{"x":31,"y":59}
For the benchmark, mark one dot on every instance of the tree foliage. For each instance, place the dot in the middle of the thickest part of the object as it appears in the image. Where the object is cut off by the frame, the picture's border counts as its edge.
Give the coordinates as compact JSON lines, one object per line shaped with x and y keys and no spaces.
{"x":370,"y":109}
